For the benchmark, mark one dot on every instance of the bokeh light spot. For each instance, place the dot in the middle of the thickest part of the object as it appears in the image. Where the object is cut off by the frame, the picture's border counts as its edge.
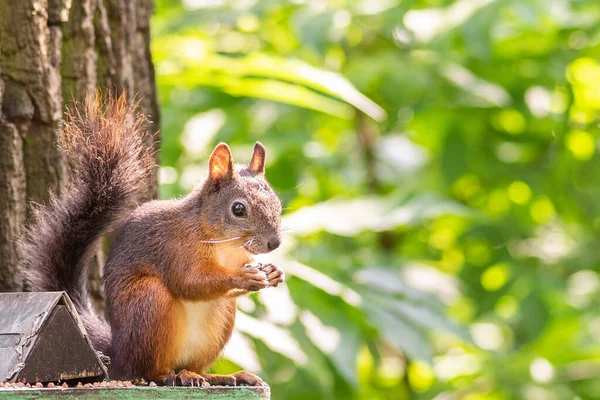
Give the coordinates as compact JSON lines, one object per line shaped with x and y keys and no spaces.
{"x":498,"y":202}
{"x":542,"y":210}
{"x":581,"y":144}
{"x":559,"y":100}
{"x":583,"y":70}
{"x":487,"y":336}
{"x":541,"y":370}
{"x":442,"y":238}
{"x":248,"y":23}
{"x":167,"y":175}
{"x":519,"y":192}
{"x":478,"y":253}
{"x":462,"y":309}
{"x":466,"y":187}
{"x":511,"y":121}
{"x":452,"y":260}
{"x":495,"y":277}
{"x":506,"y":306}
{"x":420,"y":376}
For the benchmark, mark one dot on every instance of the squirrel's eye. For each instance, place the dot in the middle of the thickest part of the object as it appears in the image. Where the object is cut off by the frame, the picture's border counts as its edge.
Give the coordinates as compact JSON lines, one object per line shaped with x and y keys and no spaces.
{"x":238,"y":209}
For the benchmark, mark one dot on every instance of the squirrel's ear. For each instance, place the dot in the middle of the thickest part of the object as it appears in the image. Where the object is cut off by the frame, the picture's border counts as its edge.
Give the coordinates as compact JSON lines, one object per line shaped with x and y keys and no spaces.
{"x":257,"y":164}
{"x":220,"y":166}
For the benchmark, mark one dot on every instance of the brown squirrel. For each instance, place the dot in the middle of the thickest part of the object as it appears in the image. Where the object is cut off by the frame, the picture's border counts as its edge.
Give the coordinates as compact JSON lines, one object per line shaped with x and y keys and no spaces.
{"x":176,"y":266}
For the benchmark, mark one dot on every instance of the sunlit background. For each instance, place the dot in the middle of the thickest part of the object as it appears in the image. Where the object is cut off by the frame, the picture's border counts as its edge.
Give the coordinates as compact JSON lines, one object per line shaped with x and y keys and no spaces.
{"x":438,"y":166}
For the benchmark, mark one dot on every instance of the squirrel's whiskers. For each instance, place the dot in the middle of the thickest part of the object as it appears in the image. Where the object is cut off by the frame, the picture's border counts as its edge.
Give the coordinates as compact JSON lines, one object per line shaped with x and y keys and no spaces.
{"x":217,"y":241}
{"x":248,"y":242}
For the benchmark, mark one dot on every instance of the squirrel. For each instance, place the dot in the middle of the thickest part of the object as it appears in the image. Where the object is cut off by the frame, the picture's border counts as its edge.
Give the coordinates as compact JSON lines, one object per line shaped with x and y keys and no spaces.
{"x":176,"y":266}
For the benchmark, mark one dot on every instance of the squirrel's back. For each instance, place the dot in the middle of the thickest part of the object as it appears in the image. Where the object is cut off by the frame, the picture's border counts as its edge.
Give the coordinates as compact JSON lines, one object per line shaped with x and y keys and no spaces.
{"x":103,"y":141}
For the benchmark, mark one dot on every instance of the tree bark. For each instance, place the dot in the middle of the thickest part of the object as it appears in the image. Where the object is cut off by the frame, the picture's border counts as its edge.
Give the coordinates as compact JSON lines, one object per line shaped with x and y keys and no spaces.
{"x":54,"y":52}
{"x":32,"y":101}
{"x":12,"y":200}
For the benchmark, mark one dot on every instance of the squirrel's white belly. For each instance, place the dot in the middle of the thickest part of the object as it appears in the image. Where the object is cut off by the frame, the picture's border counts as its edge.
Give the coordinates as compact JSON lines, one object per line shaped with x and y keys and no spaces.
{"x":206,"y":325}
{"x":206,"y":330}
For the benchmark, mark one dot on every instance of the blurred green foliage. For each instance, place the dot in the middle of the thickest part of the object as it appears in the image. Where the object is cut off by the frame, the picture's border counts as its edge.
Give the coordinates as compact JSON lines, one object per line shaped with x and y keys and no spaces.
{"x":438,"y":164}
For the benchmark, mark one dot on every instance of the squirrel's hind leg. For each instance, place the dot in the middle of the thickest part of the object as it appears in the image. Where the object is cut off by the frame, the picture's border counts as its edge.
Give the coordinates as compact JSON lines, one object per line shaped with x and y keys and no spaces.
{"x":248,"y":379}
{"x":145,"y":339}
{"x":241,"y":378}
{"x":220,"y":380}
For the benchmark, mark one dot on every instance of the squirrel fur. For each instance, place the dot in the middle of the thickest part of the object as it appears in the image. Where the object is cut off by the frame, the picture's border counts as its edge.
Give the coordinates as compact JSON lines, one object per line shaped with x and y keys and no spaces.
{"x":176,"y":266}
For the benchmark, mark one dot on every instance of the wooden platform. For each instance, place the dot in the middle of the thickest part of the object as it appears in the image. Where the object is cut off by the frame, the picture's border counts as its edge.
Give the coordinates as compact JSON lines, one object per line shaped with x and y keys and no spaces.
{"x":140,"y":392}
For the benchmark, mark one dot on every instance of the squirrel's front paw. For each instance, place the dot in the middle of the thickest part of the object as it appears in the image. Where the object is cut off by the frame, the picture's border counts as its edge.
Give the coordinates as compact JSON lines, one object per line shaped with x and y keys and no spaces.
{"x":275,"y":275}
{"x":251,"y":278}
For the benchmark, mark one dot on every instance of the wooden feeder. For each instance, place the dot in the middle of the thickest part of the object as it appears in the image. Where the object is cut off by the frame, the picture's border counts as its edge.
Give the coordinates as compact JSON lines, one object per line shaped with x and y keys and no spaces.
{"x":141,"y":393}
{"x":42,"y":339}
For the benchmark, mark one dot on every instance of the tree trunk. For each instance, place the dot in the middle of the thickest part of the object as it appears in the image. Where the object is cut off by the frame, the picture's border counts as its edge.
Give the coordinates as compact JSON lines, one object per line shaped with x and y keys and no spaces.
{"x":12,"y":200}
{"x":53,"y":52}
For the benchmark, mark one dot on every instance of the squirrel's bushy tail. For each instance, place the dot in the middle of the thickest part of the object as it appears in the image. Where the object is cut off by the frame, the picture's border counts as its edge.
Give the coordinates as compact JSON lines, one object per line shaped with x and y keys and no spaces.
{"x":103,"y":141}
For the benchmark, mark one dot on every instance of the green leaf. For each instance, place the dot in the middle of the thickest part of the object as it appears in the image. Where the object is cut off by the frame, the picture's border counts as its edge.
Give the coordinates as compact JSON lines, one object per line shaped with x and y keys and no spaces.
{"x":404,"y":336}
{"x":349,"y":217}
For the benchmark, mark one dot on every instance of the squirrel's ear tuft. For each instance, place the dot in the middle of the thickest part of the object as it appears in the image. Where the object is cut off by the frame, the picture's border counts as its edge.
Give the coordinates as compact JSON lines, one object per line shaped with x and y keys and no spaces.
{"x":257,"y":164}
{"x":220,"y":166}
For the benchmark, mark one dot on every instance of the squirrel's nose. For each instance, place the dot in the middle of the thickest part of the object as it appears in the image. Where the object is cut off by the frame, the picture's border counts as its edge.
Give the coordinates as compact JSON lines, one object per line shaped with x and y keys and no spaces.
{"x":274,"y":243}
